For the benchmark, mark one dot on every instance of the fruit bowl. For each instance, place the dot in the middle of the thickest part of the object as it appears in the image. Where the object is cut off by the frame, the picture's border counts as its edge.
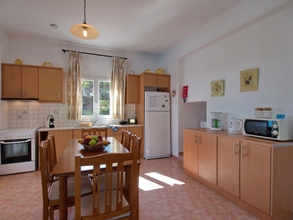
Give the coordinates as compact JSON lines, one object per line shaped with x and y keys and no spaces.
{"x":97,"y":147}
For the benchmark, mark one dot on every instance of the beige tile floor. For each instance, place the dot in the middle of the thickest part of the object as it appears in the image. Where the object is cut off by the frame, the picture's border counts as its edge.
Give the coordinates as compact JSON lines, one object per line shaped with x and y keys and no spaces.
{"x":166,"y":193}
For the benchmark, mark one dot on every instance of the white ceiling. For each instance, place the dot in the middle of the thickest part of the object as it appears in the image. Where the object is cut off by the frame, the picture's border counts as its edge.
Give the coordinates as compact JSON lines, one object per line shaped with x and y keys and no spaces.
{"x":151,"y":26}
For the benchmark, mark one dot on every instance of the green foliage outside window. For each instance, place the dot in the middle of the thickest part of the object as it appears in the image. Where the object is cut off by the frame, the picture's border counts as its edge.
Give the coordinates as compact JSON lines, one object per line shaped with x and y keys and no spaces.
{"x":88,"y":97}
{"x":104,"y":98}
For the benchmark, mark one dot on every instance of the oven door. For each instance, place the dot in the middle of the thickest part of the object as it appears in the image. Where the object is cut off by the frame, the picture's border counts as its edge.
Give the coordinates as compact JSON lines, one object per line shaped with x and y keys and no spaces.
{"x":16,"y":151}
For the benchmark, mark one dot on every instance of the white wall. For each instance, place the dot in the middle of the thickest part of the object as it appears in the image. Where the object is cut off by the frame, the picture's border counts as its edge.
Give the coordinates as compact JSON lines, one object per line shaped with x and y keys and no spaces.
{"x":35,"y":52}
{"x":3,"y":105}
{"x":255,"y":34}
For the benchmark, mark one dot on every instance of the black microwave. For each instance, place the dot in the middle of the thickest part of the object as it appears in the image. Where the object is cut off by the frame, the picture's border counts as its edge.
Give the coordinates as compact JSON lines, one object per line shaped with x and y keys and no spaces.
{"x":274,"y":129}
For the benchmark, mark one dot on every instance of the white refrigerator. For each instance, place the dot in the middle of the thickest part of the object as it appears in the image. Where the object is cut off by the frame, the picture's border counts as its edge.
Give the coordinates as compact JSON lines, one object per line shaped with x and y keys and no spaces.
{"x":157,"y":139}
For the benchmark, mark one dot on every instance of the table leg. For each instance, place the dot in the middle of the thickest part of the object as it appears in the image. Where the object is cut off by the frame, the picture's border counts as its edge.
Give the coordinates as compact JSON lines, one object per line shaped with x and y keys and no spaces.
{"x":63,"y":197}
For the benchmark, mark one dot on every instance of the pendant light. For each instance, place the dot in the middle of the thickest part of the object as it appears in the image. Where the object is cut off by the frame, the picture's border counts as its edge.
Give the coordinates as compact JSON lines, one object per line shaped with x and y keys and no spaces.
{"x":84,"y":30}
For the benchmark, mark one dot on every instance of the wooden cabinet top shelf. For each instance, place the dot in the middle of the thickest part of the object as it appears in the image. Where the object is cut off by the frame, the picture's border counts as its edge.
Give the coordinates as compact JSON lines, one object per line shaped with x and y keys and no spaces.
{"x":28,"y":65}
{"x":157,"y":74}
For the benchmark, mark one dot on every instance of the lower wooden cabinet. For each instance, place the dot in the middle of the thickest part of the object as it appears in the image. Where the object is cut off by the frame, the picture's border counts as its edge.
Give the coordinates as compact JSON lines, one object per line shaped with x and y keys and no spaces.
{"x":117,"y":134}
{"x":255,"y":178}
{"x":256,"y":174}
{"x":244,"y":171}
{"x":200,"y":154}
{"x":190,"y":156}
{"x":207,"y":157}
{"x":228,"y":165}
{"x":76,"y":133}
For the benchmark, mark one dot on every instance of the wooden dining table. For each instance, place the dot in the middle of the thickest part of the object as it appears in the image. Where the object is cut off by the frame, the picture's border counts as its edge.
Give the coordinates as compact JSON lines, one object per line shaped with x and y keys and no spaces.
{"x":65,"y":166}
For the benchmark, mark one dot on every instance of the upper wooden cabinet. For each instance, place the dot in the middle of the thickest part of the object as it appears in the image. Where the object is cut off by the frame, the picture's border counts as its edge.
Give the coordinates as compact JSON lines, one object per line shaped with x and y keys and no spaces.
{"x":19,"y":82}
{"x":50,"y":85}
{"x":132,"y":89}
{"x":156,"y":80}
{"x":28,"y":82}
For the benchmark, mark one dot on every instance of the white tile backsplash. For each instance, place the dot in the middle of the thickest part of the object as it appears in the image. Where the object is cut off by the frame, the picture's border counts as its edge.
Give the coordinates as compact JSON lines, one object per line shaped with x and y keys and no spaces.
{"x":32,"y":114}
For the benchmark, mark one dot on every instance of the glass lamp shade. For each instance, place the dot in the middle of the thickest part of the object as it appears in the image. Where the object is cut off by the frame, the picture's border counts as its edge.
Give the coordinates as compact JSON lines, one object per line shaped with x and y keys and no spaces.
{"x":84,"y":31}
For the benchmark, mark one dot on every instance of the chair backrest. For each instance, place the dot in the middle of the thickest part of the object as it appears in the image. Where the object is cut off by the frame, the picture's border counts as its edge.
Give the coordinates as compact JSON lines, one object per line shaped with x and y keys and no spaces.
{"x":45,"y":168}
{"x":52,"y":151}
{"x":135,"y":144}
{"x":125,"y":139}
{"x":111,"y":202}
{"x":95,"y":131}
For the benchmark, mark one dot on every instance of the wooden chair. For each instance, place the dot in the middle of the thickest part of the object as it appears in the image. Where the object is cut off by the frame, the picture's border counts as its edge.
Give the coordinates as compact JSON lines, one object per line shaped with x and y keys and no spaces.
{"x":50,"y":187}
{"x":52,"y":151}
{"x":125,"y":139}
{"x":95,"y":131}
{"x":118,"y":203}
{"x":135,"y":144}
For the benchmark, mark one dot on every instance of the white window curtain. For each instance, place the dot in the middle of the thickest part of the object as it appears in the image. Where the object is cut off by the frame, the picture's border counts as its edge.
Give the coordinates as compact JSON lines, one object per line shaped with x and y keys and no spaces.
{"x":117,"y":86}
{"x":74,"y":90}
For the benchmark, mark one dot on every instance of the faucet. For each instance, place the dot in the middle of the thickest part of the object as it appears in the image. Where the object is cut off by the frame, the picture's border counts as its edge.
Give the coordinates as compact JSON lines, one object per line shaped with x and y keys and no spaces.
{"x":94,"y":122}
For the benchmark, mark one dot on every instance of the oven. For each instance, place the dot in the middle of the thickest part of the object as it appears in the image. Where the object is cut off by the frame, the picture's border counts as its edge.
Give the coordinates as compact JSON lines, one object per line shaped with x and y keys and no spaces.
{"x":17,"y":151}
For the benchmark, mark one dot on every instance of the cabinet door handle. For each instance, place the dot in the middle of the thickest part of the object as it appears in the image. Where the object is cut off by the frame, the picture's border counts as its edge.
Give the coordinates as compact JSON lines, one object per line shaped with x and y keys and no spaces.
{"x":242,"y":151}
{"x":234,"y":150}
{"x":199,"y":139}
{"x":194,"y":138}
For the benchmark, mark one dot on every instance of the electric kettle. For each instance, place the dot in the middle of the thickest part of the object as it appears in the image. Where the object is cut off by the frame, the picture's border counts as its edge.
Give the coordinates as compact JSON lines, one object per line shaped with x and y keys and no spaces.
{"x":235,"y":125}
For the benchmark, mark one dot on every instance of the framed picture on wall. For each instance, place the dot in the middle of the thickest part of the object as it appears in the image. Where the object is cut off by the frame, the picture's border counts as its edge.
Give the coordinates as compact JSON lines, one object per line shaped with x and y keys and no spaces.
{"x":217,"y":88}
{"x":249,"y":80}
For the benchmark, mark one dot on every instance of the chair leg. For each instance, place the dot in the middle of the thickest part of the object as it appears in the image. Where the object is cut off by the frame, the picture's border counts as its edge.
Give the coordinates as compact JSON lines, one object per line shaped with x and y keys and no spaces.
{"x":51,"y":213}
{"x":45,"y":212}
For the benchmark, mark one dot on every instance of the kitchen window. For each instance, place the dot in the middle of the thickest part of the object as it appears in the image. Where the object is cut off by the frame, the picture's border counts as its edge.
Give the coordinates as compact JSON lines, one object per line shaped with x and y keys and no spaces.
{"x":96,"y":98}
{"x":88,"y":97}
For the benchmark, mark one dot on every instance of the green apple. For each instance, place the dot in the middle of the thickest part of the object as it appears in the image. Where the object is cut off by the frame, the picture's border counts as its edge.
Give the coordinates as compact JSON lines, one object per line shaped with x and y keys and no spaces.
{"x":92,"y":143}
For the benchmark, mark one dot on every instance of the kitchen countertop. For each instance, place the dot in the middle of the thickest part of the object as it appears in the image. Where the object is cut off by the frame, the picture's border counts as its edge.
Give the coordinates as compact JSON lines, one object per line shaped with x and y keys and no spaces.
{"x":242,"y":137}
{"x":98,"y":126}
